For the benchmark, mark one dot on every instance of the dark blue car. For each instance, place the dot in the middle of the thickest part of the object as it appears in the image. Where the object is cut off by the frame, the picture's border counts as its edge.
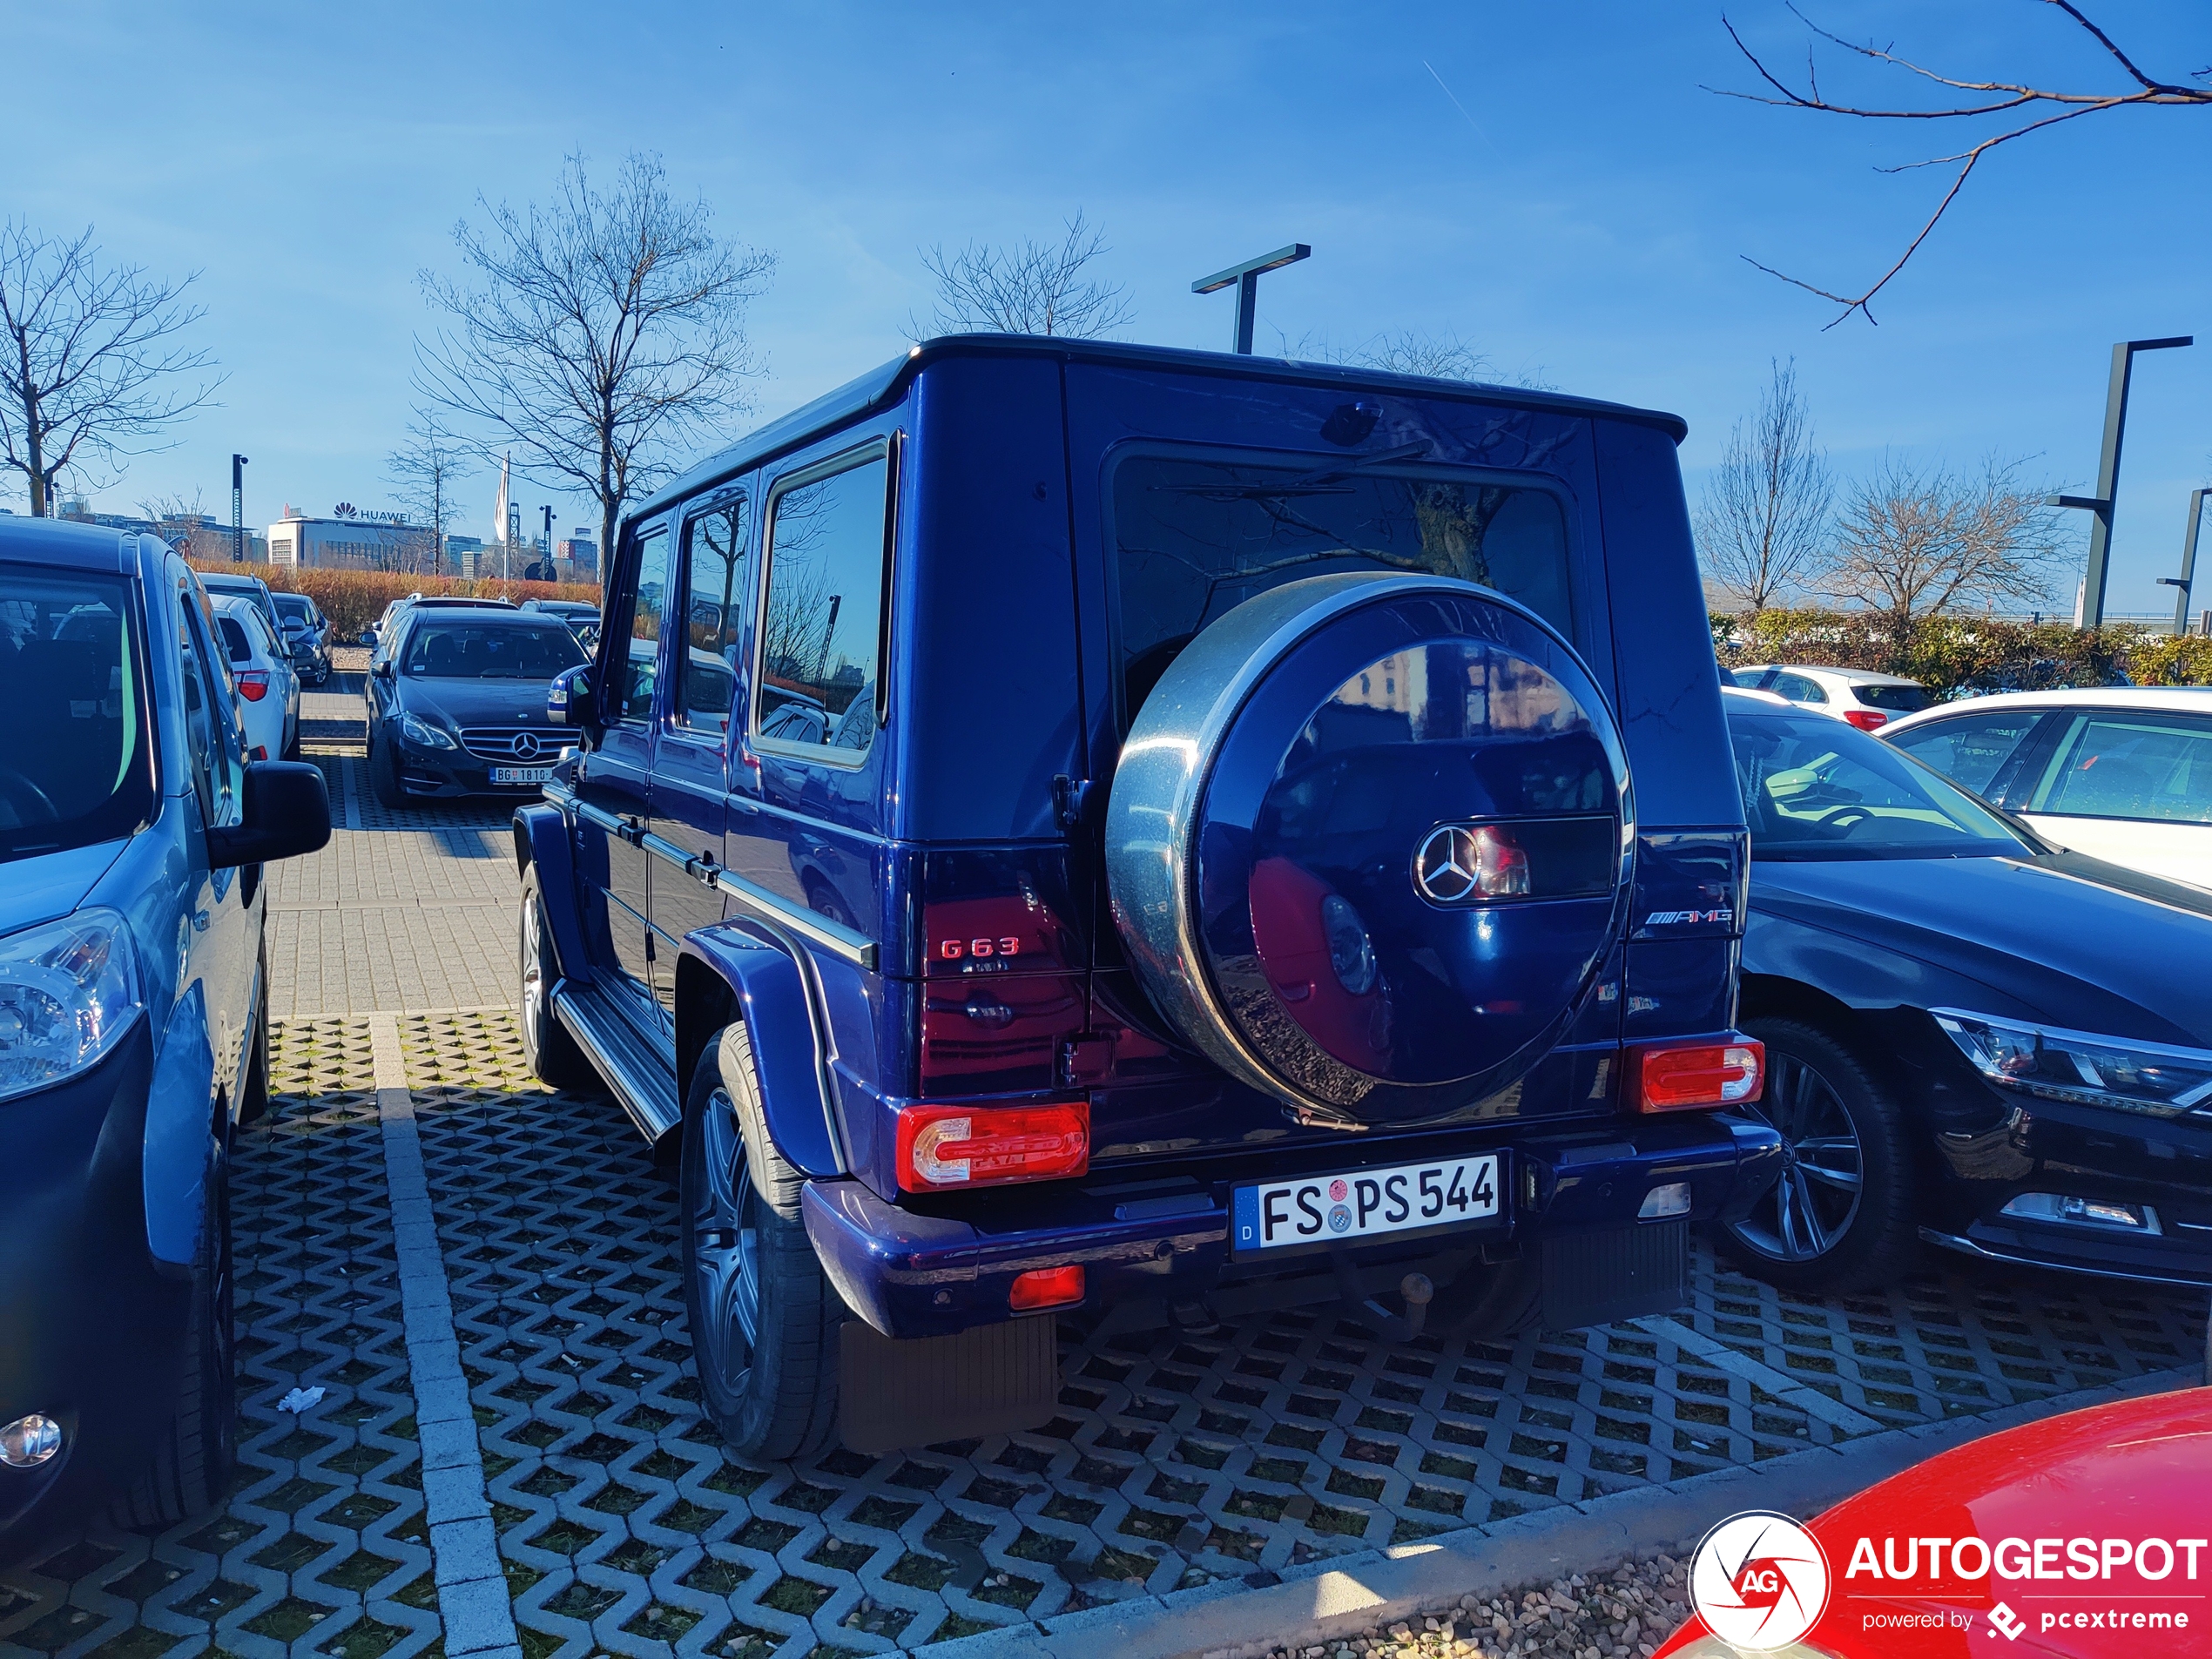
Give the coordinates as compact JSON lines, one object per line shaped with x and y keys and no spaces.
{"x":133,"y":1021}
{"x":1973,"y":1038}
{"x":1062,"y":823}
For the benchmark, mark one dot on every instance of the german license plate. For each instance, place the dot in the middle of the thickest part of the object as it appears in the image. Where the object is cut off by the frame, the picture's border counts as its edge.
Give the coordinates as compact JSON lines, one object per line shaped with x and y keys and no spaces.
{"x":520,"y":774}
{"x":1318,"y":1210}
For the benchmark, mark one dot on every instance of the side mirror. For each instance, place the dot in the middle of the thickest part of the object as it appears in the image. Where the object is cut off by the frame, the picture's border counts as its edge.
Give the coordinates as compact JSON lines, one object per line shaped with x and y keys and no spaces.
{"x":569,"y":700}
{"x":383,"y":670}
{"x":287,"y":813}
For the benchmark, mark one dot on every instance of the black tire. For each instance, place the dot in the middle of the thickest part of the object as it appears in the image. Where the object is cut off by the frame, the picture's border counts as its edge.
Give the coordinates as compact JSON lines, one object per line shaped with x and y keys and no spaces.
{"x":291,"y":743}
{"x":763,"y":1317}
{"x":253,"y":1090}
{"x":384,"y":774}
{"x":555,"y":1059}
{"x":197,"y":1454}
{"x":1815,"y":1230}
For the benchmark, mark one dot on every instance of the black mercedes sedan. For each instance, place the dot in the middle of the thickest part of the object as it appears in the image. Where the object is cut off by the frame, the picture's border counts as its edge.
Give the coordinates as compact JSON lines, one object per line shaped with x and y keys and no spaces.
{"x":1974,"y":1039}
{"x":457,"y":705}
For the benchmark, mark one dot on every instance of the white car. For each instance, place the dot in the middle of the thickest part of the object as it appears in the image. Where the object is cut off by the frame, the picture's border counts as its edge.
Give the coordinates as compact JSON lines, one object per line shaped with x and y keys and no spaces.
{"x":268,"y":690}
{"x":2123,"y":773}
{"x":1868,"y":700}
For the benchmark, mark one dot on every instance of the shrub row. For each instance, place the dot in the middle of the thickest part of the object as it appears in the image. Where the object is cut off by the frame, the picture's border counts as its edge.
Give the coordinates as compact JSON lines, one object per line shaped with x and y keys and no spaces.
{"x":1960,"y":656}
{"x":353,"y":599}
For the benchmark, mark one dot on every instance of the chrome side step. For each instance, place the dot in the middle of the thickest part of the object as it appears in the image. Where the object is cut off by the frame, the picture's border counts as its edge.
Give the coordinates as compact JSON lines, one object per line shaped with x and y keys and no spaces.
{"x":639,"y":1078}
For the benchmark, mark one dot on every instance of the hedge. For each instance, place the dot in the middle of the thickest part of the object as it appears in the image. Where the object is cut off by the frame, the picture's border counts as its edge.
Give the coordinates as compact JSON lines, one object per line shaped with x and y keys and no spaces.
{"x":353,"y":599}
{"x":1963,"y":656}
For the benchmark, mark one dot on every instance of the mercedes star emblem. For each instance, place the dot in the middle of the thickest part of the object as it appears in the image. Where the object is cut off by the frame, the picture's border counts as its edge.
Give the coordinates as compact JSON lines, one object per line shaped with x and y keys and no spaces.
{"x":1445,"y":868}
{"x":525,"y":745}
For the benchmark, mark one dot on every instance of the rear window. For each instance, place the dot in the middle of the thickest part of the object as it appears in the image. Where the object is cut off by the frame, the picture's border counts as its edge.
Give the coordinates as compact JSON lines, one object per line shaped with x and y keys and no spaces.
{"x":1196,"y":537}
{"x":1897,"y":699}
{"x":234,"y":640}
{"x":77,"y":765}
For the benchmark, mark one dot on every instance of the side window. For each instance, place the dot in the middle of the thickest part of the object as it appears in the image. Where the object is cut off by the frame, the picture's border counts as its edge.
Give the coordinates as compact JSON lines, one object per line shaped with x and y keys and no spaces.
{"x":645,"y":625}
{"x":1798,"y":689}
{"x":2147,"y":765}
{"x":821,"y":629}
{"x":714,"y":560}
{"x":216,"y":777}
{"x":1973,"y":751}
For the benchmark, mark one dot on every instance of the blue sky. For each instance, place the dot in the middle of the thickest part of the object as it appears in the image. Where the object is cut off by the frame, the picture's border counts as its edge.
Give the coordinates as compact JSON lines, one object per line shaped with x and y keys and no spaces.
{"x":1582,"y":216}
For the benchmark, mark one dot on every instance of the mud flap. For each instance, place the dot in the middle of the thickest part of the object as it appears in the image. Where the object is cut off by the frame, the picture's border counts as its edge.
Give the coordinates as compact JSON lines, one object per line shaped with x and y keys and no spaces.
{"x":994,"y":1380}
{"x":1625,"y":1273}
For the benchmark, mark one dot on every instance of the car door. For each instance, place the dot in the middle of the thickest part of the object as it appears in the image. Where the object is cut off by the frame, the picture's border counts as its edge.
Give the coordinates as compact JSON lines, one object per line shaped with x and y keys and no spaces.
{"x":690,"y":781}
{"x":2132,"y":785}
{"x":616,"y":777}
{"x":806,"y":788}
{"x":222,"y":937}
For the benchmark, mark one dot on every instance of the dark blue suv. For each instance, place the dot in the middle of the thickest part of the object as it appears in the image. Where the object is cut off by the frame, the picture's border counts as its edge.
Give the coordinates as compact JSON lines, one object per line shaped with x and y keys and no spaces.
{"x":1057,"y":823}
{"x":133,"y":1021}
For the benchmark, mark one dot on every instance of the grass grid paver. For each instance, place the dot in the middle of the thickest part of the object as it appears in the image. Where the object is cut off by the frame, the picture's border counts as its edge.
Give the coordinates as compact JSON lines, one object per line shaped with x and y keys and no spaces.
{"x":618,"y":1525}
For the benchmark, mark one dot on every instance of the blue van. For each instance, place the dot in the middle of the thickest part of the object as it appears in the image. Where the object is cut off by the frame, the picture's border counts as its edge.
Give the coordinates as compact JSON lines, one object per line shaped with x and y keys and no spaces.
{"x":133,"y":1021}
{"x":1055,"y":823}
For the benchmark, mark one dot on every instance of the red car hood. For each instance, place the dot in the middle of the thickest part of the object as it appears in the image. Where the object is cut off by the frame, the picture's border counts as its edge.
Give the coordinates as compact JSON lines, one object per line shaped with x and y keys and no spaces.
{"x":2094,"y":1532}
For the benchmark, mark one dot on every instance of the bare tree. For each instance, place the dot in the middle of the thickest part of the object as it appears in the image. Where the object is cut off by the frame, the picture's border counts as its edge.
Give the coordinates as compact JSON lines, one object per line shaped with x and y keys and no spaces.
{"x":90,"y":361}
{"x":1913,"y":544}
{"x":1028,"y":288}
{"x":1762,"y":525}
{"x":424,"y":470}
{"x":2017,"y":108}
{"x":1437,"y":357}
{"x":599,"y":334}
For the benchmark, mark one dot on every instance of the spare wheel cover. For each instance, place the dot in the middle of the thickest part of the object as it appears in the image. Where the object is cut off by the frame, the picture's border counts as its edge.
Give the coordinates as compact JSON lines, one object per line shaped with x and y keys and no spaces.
{"x":1369,"y":843}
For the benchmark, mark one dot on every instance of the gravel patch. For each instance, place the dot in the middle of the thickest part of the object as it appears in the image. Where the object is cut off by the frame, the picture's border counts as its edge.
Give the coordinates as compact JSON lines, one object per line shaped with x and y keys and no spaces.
{"x":1627,"y":1611}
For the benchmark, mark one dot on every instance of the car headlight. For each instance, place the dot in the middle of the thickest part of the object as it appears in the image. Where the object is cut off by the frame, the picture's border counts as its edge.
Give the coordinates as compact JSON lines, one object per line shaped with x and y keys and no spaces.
{"x":2078,"y":1066}
{"x":68,"y":993}
{"x":423,"y":734}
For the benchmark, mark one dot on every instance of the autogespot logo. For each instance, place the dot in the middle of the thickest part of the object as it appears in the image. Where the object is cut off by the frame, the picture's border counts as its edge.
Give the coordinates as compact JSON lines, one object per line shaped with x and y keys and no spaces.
{"x":1759,"y":1581}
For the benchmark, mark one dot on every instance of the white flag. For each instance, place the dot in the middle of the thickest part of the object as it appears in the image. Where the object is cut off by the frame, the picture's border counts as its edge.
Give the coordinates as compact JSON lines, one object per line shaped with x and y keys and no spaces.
{"x":499,"y":513}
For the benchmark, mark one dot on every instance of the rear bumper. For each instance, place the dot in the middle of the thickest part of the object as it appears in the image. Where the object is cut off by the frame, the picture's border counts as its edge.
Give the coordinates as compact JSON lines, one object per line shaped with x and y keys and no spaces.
{"x":914,"y":1273}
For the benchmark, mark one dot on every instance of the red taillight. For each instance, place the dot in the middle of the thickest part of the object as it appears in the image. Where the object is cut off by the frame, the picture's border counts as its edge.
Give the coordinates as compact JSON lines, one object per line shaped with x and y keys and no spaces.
{"x":261,"y":752}
{"x":1688,"y":1080}
{"x":253,"y":684}
{"x":967,"y":1146}
{"x":1046,"y":1287}
{"x":1866,"y":719}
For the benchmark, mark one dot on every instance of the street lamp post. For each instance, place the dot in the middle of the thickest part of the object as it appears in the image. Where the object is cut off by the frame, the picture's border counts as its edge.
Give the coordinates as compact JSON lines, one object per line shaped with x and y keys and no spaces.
{"x":2092,"y":611}
{"x":1246,"y":277}
{"x":237,"y":510}
{"x":545,"y":552}
{"x":2188,"y":564}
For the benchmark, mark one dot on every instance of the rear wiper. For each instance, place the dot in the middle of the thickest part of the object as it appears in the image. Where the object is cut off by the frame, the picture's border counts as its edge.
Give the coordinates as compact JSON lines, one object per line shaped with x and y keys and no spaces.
{"x":1323,"y":480}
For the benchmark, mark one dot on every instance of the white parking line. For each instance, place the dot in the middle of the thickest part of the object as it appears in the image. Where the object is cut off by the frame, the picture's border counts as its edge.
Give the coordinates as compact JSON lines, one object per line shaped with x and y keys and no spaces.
{"x":1789,"y":1390}
{"x":464,"y":1548}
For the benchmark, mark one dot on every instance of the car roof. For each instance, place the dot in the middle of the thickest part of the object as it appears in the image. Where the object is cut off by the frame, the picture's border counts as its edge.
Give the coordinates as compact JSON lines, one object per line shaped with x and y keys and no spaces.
{"x":1851,"y":676}
{"x":233,"y":579}
{"x":2195,"y":699}
{"x":1765,"y":699}
{"x":879,"y":386}
{"x":63,"y":542}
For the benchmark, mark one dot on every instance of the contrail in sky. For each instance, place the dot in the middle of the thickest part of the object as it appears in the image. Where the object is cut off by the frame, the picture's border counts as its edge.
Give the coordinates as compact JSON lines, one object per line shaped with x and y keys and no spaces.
{"x":1462,"y":109}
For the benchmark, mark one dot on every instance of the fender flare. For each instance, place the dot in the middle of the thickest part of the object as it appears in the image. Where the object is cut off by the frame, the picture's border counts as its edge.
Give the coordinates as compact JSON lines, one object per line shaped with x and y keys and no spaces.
{"x":182,"y":1102}
{"x":541,"y":839}
{"x":768,"y":988}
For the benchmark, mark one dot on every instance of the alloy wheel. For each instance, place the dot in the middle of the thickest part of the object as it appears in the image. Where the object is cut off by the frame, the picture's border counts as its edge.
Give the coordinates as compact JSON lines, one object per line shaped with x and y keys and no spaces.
{"x":533,"y":988}
{"x":1808,"y":1210}
{"x":725,"y":1248}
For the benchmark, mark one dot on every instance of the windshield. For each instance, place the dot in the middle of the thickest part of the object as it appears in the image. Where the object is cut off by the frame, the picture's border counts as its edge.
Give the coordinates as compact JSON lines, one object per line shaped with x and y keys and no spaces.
{"x":77,"y":765}
{"x":462,"y":650}
{"x":1815,"y":788}
{"x":1195,"y":537}
{"x":296,"y":606}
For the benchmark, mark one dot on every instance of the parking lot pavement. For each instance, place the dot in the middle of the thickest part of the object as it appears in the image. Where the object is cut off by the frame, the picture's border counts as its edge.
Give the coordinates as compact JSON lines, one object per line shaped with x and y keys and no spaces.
{"x":1255,"y":1452}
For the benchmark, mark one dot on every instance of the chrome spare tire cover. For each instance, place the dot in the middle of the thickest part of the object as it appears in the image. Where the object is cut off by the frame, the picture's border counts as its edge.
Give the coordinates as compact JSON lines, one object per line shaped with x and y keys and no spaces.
{"x":1369,"y":842}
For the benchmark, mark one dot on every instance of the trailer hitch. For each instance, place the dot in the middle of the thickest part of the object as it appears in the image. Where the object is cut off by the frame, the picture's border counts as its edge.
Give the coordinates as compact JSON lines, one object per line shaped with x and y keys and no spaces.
{"x":1392,"y":1327}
